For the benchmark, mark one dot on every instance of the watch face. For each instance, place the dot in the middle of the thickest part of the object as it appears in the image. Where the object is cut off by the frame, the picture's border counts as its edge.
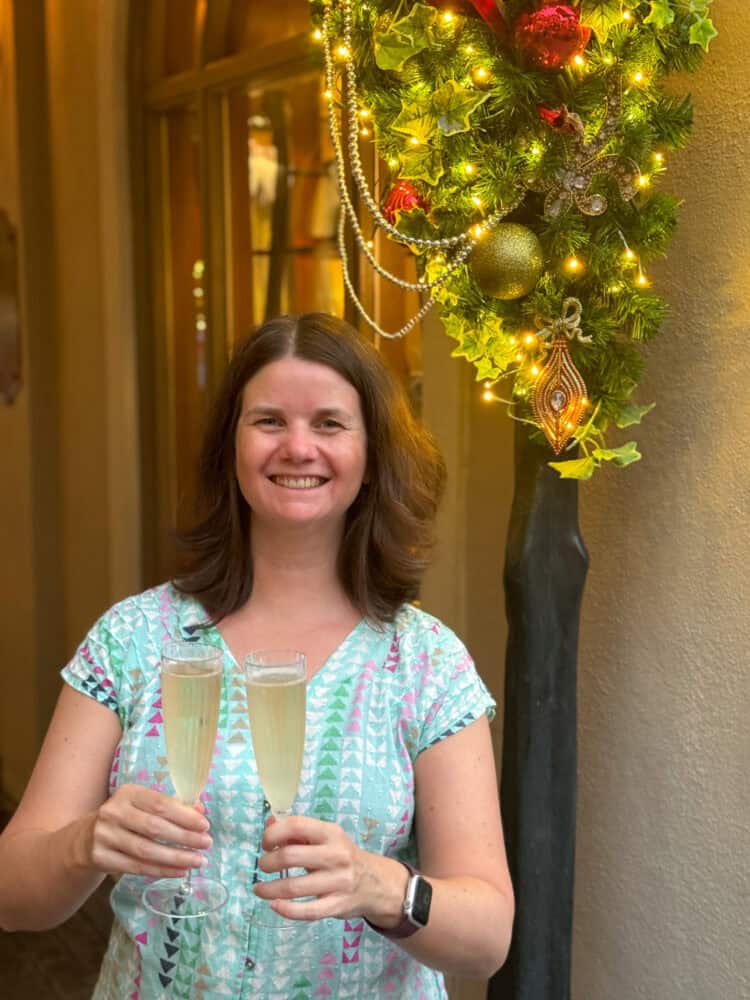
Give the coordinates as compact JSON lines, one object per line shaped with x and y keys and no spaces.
{"x":421,"y":896}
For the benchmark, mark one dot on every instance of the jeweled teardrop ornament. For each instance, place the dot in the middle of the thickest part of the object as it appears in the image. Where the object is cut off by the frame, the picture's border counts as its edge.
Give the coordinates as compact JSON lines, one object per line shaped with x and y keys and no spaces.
{"x":559,"y":396}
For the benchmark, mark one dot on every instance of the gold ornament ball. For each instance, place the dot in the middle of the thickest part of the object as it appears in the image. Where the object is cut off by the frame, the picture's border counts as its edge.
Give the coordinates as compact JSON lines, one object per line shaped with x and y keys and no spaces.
{"x":507,"y":262}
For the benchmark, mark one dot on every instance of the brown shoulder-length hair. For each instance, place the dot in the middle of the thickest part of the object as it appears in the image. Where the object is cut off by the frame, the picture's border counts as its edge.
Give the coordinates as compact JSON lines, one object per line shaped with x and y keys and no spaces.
{"x":389,"y":528}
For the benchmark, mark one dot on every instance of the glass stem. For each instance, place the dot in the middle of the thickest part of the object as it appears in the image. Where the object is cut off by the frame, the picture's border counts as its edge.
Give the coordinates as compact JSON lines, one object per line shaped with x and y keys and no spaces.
{"x":282,"y":814}
{"x":186,"y":886}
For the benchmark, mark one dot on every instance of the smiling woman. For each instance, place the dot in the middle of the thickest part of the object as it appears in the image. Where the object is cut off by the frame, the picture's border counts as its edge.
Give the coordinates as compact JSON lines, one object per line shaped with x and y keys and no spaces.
{"x":301,"y":446}
{"x":308,"y":396}
{"x":321,"y":491}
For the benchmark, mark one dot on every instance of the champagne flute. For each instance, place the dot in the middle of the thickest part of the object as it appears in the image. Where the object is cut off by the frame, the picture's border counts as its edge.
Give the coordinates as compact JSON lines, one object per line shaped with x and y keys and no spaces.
{"x":191,"y":692}
{"x":276,"y":705}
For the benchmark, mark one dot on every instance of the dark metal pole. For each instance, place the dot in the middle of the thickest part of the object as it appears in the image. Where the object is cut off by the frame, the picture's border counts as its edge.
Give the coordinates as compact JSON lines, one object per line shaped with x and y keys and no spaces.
{"x":545,"y":570}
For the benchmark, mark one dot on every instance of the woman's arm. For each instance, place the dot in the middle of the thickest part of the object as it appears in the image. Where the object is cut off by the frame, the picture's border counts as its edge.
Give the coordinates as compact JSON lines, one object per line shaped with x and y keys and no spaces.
{"x":67,"y":834}
{"x":461,"y":853}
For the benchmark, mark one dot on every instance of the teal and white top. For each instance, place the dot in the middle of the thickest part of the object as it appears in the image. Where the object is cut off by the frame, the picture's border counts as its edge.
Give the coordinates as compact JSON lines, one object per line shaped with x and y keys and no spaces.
{"x":385,"y":695}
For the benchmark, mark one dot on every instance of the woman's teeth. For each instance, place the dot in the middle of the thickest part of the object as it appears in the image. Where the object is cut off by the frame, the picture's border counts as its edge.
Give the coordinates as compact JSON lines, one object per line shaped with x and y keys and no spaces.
{"x":298,"y":482}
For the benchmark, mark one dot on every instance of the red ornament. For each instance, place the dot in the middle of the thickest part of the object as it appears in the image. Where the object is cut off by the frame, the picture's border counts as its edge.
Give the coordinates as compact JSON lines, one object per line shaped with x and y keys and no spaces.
{"x":403,"y":197}
{"x":491,"y":11}
{"x":551,"y":36}
{"x":560,"y":119}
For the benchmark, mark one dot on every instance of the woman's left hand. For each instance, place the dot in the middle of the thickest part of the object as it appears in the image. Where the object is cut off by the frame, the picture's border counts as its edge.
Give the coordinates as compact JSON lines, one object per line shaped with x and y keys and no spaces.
{"x":344,"y":879}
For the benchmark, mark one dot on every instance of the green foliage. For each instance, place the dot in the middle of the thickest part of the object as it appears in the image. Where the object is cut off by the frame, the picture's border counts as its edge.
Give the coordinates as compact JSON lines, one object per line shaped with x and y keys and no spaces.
{"x":474,"y":143}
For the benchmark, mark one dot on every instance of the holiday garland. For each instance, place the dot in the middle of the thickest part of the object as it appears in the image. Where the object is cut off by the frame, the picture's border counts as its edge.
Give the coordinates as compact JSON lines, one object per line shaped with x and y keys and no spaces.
{"x":525,"y":146}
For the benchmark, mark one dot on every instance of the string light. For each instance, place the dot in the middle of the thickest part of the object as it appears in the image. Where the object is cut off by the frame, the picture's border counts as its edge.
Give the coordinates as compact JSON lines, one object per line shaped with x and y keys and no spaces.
{"x":364,"y":113}
{"x":317,"y":35}
{"x":488,"y":395}
{"x":414,"y":141}
{"x":534,"y":371}
{"x":644,"y":180}
{"x":447,"y":17}
{"x":642,"y":279}
{"x":627,"y":15}
{"x":393,"y":162}
{"x":469,"y":50}
{"x":469,"y":168}
{"x":364,"y":130}
{"x":529,"y":339}
{"x":477,"y":200}
{"x":477,"y":231}
{"x":638,"y":77}
{"x":343,"y":52}
{"x":482,"y":74}
{"x":659,"y":157}
{"x":573,"y":264}
{"x":536,"y":149}
{"x":579,"y":61}
{"x":328,"y":95}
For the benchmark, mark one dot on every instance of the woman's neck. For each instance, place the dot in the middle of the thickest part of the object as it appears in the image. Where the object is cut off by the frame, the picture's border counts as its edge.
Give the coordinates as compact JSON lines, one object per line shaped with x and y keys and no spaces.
{"x":295,"y":569}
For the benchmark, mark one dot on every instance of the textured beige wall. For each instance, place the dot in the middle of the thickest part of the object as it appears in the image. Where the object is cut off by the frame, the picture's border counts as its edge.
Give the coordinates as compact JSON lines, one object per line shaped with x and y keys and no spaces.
{"x":664,"y":799}
{"x":664,"y":740}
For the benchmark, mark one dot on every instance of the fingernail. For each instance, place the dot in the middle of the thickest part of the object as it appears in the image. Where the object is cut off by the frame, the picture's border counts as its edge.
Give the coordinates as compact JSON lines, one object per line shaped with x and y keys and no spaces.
{"x":202,"y":860}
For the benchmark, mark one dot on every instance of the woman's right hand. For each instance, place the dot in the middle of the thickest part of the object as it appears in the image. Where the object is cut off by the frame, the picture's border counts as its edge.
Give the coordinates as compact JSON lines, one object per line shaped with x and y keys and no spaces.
{"x":139,"y":831}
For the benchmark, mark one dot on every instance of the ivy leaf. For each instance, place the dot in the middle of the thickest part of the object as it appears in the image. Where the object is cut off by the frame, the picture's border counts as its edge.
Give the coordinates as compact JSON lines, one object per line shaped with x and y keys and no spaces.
{"x":702,"y":31}
{"x":601,"y":16}
{"x":486,"y":369}
{"x":660,"y":15}
{"x":392,"y":50}
{"x":415,"y":120}
{"x":626,"y":454}
{"x":633,"y":414}
{"x":423,"y":164}
{"x":417,"y":27}
{"x":576,"y":468}
{"x":414,"y":223}
{"x":452,"y":105}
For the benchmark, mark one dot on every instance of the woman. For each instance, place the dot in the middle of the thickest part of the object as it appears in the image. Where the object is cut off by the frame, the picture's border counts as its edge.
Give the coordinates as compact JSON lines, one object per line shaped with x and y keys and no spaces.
{"x":319,"y":494}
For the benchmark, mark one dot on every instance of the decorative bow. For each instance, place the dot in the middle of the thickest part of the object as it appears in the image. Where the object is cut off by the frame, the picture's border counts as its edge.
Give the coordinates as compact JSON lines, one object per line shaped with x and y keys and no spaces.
{"x":568,"y":323}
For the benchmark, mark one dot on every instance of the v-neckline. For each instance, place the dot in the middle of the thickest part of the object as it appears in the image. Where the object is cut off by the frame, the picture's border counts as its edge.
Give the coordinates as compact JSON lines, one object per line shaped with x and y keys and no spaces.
{"x":213,"y":631}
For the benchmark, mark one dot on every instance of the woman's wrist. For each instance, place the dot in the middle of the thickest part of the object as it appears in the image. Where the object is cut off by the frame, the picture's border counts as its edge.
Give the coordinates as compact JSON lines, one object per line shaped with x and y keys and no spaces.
{"x":390,"y":879}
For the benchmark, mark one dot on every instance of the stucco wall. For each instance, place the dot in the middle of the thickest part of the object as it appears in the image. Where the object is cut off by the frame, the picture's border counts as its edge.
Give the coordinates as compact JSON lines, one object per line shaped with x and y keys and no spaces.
{"x":664,"y":799}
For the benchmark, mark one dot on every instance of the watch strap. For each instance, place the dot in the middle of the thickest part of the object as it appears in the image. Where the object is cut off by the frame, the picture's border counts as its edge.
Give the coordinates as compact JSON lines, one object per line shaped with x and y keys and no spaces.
{"x":406,"y":927}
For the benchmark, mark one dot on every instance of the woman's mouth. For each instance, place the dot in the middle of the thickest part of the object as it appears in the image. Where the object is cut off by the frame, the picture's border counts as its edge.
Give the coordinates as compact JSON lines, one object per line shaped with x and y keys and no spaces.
{"x":298,"y":482}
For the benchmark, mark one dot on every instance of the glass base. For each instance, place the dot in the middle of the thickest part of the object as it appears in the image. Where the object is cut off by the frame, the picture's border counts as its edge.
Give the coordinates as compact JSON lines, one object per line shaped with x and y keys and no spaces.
{"x":172,"y":897}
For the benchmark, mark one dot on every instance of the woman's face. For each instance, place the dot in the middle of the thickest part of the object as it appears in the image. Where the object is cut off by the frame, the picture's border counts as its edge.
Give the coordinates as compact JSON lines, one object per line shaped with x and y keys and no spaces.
{"x":301,"y":444}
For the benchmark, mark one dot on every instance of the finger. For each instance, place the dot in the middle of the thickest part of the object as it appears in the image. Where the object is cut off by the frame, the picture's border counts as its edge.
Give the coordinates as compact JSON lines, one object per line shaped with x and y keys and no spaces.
{"x":297,"y":829}
{"x":172,"y":810}
{"x":293,"y":856}
{"x":317,"y":884}
{"x":143,"y":849}
{"x":117,"y":863}
{"x":161,"y":827}
{"x":311,"y":909}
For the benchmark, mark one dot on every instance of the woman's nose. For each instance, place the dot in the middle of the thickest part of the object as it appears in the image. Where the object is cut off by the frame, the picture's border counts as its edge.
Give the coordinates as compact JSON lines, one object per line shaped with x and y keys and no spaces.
{"x":299,"y":445}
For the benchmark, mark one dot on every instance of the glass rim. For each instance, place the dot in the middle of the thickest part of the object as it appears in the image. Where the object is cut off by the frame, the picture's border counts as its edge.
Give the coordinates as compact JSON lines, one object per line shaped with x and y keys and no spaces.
{"x":262,"y":659}
{"x":186,"y":651}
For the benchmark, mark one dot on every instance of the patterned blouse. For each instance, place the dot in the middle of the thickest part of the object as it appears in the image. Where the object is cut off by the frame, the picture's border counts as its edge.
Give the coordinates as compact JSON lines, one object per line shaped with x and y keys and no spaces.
{"x":386,"y":694}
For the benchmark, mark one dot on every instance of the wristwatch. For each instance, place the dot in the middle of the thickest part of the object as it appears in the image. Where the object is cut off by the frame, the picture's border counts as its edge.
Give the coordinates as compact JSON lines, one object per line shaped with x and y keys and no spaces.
{"x":416,"y":907}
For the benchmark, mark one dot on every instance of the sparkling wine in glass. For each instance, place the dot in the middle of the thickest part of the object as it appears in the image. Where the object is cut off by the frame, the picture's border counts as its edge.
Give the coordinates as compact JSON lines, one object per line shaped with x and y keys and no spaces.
{"x":276,"y":705}
{"x":191,"y":692}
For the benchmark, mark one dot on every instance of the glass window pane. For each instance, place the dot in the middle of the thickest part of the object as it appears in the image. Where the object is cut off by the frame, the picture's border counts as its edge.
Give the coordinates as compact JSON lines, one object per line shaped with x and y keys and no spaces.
{"x":284,"y":202}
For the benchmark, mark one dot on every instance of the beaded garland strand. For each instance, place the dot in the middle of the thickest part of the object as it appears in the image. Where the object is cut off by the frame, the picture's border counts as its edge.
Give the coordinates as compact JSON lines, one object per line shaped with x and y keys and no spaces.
{"x":465,"y":241}
{"x":553,"y":117}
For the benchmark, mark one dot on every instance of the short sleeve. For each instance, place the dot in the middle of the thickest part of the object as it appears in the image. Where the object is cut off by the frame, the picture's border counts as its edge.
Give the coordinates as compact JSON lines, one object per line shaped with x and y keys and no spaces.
{"x":96,"y":669}
{"x":452,"y":695}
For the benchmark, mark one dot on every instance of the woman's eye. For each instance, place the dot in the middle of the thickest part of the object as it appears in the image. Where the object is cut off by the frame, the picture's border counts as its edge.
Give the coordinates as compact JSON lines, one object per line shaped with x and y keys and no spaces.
{"x":329,"y":424}
{"x":266,"y":422}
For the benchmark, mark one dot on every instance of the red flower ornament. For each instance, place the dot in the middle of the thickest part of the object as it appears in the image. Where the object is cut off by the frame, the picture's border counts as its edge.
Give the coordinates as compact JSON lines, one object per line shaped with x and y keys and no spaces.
{"x":403,"y":197}
{"x":551,"y":36}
